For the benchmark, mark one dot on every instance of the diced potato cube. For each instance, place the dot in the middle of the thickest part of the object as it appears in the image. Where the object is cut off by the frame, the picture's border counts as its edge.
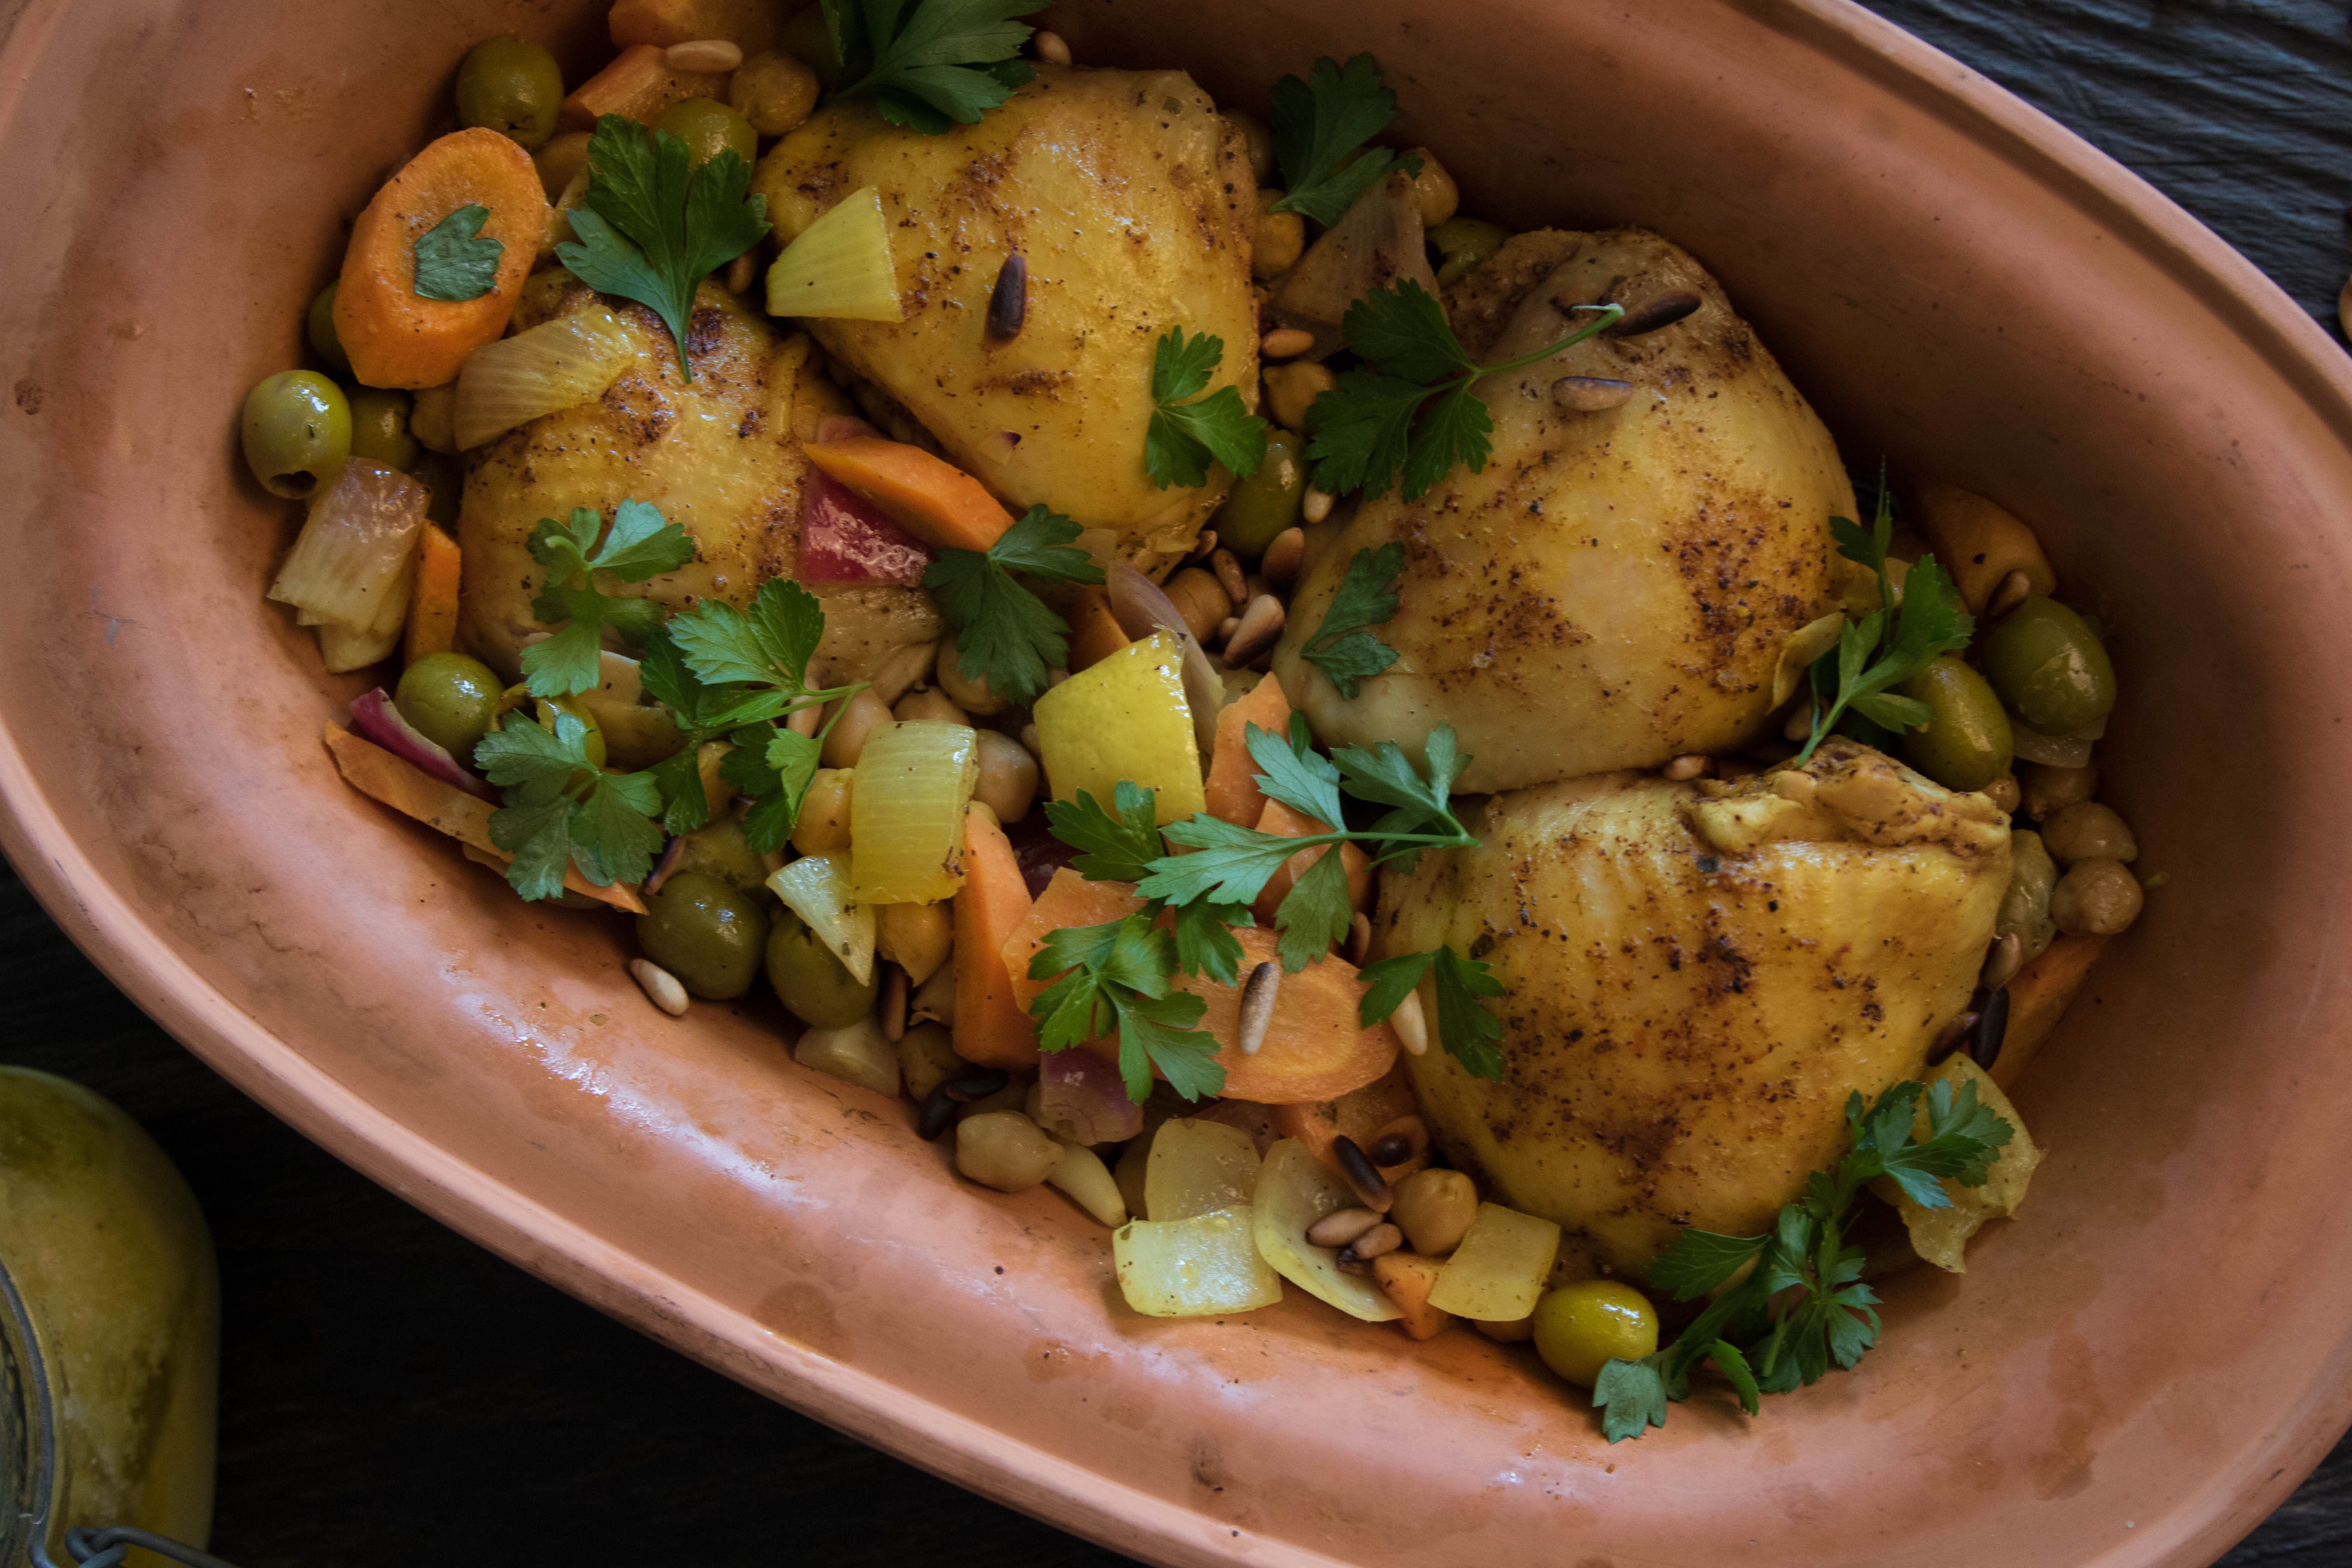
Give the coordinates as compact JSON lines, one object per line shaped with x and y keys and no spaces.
{"x":1408,"y":1278}
{"x":1499,"y":1271}
{"x":1197,"y":1167}
{"x":1125,"y":717}
{"x":1193,"y":1267}
{"x":1941,"y":1236}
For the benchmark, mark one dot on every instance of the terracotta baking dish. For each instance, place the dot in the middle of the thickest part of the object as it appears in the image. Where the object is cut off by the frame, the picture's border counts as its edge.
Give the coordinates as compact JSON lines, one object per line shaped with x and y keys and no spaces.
{"x":2135,"y":1372}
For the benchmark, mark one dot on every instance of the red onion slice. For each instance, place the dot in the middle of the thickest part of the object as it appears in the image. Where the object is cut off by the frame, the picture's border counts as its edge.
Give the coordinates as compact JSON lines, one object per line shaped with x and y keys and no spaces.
{"x":374,"y":717}
{"x":844,"y":538}
{"x":1082,"y":1097}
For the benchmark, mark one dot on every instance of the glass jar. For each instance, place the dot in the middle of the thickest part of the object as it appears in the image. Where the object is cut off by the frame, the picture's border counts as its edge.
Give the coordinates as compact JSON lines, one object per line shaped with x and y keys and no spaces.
{"x":109,"y":1254}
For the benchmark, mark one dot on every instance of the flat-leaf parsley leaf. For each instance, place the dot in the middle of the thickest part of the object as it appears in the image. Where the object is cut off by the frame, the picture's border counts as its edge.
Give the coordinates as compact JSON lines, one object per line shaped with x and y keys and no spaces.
{"x":1342,"y":647}
{"x":1005,"y":635}
{"x":561,"y":808}
{"x":640,"y":545}
{"x":932,"y":63}
{"x":1321,"y":126}
{"x":454,"y":261}
{"x":1184,"y":438}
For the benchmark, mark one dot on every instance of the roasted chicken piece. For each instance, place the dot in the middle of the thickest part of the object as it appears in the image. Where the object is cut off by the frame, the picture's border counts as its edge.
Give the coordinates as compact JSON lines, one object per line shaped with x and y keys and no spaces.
{"x":1131,"y":204}
{"x":721,"y":457}
{"x":1615,"y":588}
{"x":1698,"y":976}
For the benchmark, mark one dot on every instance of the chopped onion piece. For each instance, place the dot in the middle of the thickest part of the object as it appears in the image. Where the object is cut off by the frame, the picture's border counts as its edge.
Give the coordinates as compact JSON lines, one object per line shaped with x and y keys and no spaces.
{"x":816,"y":888}
{"x":374,"y":717}
{"x":555,"y":365}
{"x":906,"y":821}
{"x":840,"y":266}
{"x":1198,"y":1166}
{"x":1377,"y":245}
{"x":1499,"y":1270}
{"x":355,"y":559}
{"x":1082,"y":1099}
{"x":342,"y":649}
{"x":1193,"y":1268}
{"x":1294,"y":1189}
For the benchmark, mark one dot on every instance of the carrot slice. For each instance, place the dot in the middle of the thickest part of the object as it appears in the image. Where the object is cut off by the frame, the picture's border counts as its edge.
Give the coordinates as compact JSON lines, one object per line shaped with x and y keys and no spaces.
{"x":2038,"y":998}
{"x":1094,"y":632}
{"x":639,"y":84}
{"x":1233,"y":795}
{"x":433,"y":607}
{"x":932,"y":498}
{"x":1315,"y":1049}
{"x":991,"y":1025}
{"x":1407,"y":1278}
{"x":748,"y":24}
{"x":377,"y":773}
{"x":394,"y":335}
{"x":1279,"y":818}
{"x":1357,"y":1115}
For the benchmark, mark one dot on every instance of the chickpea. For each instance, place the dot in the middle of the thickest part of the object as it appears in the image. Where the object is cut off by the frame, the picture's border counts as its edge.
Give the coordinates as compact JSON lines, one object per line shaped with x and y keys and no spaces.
{"x":1259,"y":140}
{"x":1435,"y":1208}
{"x":1008,"y":776}
{"x":917,"y":938}
{"x":1280,"y":239}
{"x":2095,"y":898}
{"x":973,"y":696}
{"x":1005,"y":1149}
{"x":926,"y":1058}
{"x":850,"y":732}
{"x":1434,"y":189}
{"x":823,"y":825}
{"x":774,"y":91}
{"x":2050,"y":789}
{"x":1289,"y":388}
{"x":934,"y":705}
{"x":2087,"y":831}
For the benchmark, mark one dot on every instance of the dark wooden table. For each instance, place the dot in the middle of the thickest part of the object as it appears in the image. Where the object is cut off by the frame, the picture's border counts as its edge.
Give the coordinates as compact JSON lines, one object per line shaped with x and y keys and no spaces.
{"x":392,"y":1395}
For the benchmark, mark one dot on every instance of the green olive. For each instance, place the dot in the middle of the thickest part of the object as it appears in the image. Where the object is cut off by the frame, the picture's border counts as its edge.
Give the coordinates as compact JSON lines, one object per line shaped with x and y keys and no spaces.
{"x":380,"y":428}
{"x":811,"y":982}
{"x":319,"y":326}
{"x":1465,"y":242}
{"x":1966,"y":743}
{"x":719,"y":849}
{"x":1579,"y":1328}
{"x":807,"y":39}
{"x":1262,"y":505}
{"x":297,"y":427}
{"x":2050,"y":667}
{"x":707,"y":932}
{"x":449,"y":699}
{"x":708,"y":128}
{"x":511,"y":86}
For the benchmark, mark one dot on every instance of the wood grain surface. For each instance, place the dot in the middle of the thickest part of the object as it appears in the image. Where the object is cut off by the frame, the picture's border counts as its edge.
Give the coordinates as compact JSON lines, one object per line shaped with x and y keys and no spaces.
{"x":392,"y":1395}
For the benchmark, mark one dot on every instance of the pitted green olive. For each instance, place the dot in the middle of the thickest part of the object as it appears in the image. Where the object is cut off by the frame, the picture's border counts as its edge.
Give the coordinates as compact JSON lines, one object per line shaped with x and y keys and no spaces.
{"x":708,"y":128}
{"x":449,"y":699}
{"x":380,"y":428}
{"x":811,"y":982}
{"x":719,"y":849}
{"x":2050,"y":668}
{"x":513,"y":87}
{"x":1966,"y":743}
{"x":707,"y":932}
{"x":297,"y":427}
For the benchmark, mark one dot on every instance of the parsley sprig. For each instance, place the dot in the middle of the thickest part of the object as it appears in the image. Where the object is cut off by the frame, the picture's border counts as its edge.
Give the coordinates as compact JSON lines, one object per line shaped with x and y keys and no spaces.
{"x":1184,"y":438}
{"x":1342,"y":648}
{"x":640,"y":544}
{"x":1321,"y":126}
{"x":651,"y":227}
{"x":1802,"y":1306}
{"x":1118,"y":976}
{"x":930,"y":63}
{"x":562,"y":809}
{"x":1891,"y":644}
{"x":731,"y":674}
{"x":1005,"y":635}
{"x":1416,"y":414}
{"x":454,"y":261}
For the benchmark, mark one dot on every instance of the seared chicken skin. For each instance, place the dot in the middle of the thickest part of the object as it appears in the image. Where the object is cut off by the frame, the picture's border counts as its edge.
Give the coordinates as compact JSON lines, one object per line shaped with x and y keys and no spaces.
{"x":1132,"y":206}
{"x":719,"y":457}
{"x":1698,"y":974}
{"x":1615,"y":588}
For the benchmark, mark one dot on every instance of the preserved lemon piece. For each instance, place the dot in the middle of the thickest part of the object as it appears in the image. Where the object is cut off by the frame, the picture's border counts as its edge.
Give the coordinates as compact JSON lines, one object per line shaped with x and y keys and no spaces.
{"x":1125,"y":717}
{"x":1193,"y":1267}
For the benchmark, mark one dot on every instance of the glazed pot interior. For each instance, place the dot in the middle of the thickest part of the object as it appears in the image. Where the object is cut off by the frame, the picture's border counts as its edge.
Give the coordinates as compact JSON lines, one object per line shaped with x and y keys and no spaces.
{"x":1962,"y":292}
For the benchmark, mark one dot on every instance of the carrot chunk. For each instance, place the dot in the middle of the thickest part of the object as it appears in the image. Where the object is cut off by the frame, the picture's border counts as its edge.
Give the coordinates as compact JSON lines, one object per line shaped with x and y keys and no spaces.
{"x":2038,"y":998}
{"x":1233,"y":795}
{"x":991,"y":1025}
{"x":1279,"y":818}
{"x":932,"y":498}
{"x":433,"y":607}
{"x":639,"y":84}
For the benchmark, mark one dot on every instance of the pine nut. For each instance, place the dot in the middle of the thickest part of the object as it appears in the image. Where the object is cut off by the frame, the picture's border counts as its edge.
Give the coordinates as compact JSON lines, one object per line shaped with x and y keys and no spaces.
{"x":1360,"y":940}
{"x":1370,"y":1186}
{"x":1317,"y":507}
{"x":1958,"y":1030}
{"x":1258,"y":992}
{"x":1800,"y":726}
{"x":1261,"y":625}
{"x":1342,"y":1226}
{"x":740,"y":273}
{"x":661,"y":988}
{"x":1226,"y":628}
{"x":1229,"y":575}
{"x":1658,"y":311}
{"x":1008,"y":302}
{"x":703,"y":55}
{"x":1052,"y":48}
{"x":2011,"y":593}
{"x":1286,"y":342}
{"x":894,"y":1005}
{"x":1411,"y":1027}
{"x":1992,"y":1027}
{"x":1378,"y":1242}
{"x":2006,"y":957}
{"x":1687,"y":767}
{"x":1591,"y":393}
{"x":1202,"y":546}
{"x":1280,"y":563}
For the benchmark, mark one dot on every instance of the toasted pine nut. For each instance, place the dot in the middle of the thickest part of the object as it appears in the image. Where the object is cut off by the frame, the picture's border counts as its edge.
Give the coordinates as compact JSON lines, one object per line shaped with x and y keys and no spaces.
{"x":1261,"y":624}
{"x":1342,"y":1226}
{"x":740,"y":273}
{"x":1687,"y":767}
{"x":1372,"y":1187}
{"x":1317,"y":507}
{"x":2012,"y":592}
{"x":1226,"y":628}
{"x":1591,"y":393}
{"x":1258,"y":992}
{"x":2002,"y":962}
{"x":1360,"y":940}
{"x":1280,"y":564}
{"x":1800,"y":726}
{"x":1052,"y":48}
{"x":1411,"y":1025}
{"x":1381,"y":1239}
{"x":661,"y":988}
{"x":1283,"y":343}
{"x":1229,"y":575}
{"x":1202,"y":546}
{"x":703,"y":55}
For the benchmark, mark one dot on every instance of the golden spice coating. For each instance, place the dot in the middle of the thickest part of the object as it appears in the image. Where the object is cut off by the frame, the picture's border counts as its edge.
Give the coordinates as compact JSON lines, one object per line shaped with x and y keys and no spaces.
{"x":1698,"y":974}
{"x":1614,"y":589}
